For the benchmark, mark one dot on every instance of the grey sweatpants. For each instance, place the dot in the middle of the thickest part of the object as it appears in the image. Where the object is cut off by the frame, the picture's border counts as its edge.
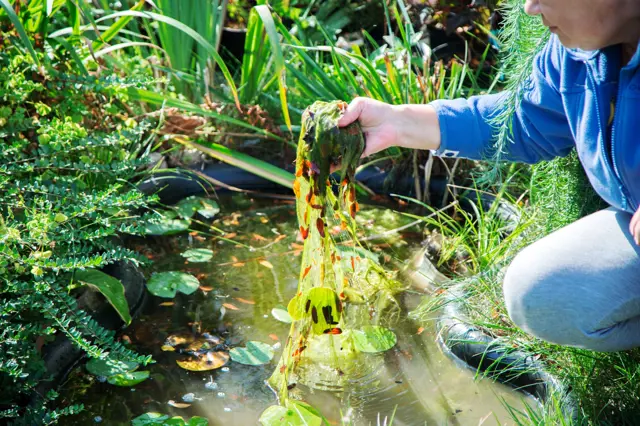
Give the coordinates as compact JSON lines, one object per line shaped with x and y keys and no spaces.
{"x":579,"y":286}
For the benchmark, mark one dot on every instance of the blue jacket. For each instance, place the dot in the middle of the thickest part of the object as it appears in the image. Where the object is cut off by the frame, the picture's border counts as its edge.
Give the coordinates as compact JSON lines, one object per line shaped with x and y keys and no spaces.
{"x":573,"y":98}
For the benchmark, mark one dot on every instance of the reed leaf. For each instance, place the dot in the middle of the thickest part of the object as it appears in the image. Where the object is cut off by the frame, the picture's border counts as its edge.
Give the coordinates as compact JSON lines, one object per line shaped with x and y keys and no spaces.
{"x":243,"y":161}
{"x":15,"y":20}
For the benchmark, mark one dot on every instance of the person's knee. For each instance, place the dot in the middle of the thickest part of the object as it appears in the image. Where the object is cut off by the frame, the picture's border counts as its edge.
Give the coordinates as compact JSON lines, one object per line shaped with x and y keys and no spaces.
{"x":519,"y":287}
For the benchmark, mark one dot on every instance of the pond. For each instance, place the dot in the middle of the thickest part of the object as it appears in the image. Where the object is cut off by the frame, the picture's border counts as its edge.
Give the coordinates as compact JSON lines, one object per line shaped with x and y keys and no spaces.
{"x":239,"y":287}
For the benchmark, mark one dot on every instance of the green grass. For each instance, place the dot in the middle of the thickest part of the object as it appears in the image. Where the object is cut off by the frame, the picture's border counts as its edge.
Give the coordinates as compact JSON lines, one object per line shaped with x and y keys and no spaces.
{"x":607,"y":385}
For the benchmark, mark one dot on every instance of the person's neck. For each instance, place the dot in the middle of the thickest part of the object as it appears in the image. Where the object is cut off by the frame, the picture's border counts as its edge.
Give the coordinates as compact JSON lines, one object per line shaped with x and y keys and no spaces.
{"x":629,"y":48}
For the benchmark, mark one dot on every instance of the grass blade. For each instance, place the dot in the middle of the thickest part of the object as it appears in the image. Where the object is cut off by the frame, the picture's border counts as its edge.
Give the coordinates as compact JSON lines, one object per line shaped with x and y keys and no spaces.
{"x":189,"y":31}
{"x":115,"y":28}
{"x":243,"y":161}
{"x":276,"y":50}
{"x":21,"y":32}
{"x":49,"y":7}
{"x":159,"y":99}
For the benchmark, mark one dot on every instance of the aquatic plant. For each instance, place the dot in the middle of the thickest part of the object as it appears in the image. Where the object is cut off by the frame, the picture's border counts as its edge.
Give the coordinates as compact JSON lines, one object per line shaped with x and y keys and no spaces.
{"x":344,"y":303}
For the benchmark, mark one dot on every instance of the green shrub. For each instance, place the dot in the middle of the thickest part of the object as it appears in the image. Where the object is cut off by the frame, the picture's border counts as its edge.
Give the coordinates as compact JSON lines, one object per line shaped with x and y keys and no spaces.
{"x":70,"y":149}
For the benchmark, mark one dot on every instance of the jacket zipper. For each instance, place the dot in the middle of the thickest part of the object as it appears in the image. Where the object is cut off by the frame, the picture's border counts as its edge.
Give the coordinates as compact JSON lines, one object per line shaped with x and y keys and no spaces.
{"x":610,"y":140}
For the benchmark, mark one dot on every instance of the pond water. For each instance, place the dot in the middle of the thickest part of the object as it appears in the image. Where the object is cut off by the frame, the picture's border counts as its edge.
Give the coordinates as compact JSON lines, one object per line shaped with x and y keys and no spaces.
{"x":239,"y":288}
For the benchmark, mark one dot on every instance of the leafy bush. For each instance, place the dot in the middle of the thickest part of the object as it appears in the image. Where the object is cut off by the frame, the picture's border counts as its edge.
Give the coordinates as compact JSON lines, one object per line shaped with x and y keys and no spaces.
{"x":69,"y":150}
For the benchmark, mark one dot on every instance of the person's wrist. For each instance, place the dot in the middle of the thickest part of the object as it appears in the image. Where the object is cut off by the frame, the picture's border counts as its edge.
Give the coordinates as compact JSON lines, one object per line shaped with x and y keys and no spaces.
{"x":416,"y":126}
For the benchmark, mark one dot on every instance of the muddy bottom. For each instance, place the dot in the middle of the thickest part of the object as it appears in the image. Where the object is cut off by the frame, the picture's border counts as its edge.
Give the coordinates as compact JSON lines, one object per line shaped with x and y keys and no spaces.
{"x":240,"y":286}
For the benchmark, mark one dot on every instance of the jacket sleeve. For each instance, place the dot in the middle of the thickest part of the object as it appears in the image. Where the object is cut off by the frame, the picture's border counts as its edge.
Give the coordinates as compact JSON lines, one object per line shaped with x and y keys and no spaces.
{"x":540,"y":127}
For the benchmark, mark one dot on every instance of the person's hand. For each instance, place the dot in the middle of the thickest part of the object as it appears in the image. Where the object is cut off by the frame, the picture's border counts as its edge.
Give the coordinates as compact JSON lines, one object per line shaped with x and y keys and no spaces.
{"x":634,"y":227}
{"x":377,"y":121}
{"x":384,"y":125}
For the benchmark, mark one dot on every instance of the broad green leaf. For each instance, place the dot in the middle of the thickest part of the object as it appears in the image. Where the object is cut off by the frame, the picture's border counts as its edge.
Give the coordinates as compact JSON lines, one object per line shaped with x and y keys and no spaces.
{"x":109,"y":367}
{"x":110,"y":287}
{"x":281,"y":314}
{"x":15,"y":20}
{"x":190,"y":205}
{"x":198,"y":421}
{"x":167,"y":284}
{"x":374,"y":339}
{"x":255,"y":353}
{"x":198,"y":255}
{"x":296,"y":413}
{"x":324,"y":308}
{"x":151,"y":418}
{"x":128,"y":379}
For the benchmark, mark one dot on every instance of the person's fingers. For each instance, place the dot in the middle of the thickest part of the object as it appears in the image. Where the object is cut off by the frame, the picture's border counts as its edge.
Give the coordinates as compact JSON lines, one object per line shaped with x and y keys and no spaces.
{"x":634,"y":227}
{"x":353,"y":111}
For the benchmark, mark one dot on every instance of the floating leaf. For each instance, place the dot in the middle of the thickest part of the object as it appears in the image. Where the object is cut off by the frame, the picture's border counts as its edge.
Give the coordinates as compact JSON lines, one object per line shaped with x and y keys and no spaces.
{"x":255,"y":353}
{"x":203,"y":206}
{"x":167,"y":225}
{"x":198,"y":421}
{"x":296,"y":413}
{"x":110,"y":287}
{"x":149,"y":419}
{"x":205,"y":362}
{"x":198,"y":255}
{"x":374,"y":339}
{"x":281,"y":314}
{"x":166,"y":284}
{"x":109,"y":367}
{"x":128,"y":379}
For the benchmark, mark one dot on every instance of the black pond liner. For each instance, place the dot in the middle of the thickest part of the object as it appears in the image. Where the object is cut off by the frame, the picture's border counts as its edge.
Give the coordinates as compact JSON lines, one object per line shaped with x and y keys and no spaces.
{"x":61,"y":355}
{"x":472,"y":348}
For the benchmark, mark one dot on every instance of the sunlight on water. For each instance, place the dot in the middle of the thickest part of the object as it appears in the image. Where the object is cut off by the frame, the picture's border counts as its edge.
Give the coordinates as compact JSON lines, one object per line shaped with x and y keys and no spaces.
{"x":239,"y":288}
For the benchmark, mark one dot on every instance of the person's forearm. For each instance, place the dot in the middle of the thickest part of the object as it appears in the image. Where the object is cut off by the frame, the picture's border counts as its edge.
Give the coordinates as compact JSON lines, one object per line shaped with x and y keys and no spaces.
{"x":417,"y":126}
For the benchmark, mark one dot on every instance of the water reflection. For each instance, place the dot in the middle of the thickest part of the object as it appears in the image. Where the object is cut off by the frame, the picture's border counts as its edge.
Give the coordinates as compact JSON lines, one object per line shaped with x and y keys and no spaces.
{"x":239,"y":289}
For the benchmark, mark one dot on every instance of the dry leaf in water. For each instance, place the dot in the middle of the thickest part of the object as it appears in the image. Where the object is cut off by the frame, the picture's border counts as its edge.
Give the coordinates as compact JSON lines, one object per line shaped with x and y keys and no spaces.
{"x":266,"y":264}
{"x":230,"y":306}
{"x":178,"y":404}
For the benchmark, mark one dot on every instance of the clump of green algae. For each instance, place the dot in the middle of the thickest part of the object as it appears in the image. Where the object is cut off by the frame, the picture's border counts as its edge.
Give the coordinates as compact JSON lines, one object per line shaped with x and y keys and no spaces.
{"x":345,"y":300}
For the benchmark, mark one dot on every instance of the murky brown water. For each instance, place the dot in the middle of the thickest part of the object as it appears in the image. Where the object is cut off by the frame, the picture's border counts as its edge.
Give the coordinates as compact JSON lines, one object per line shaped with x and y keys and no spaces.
{"x":415,"y":379}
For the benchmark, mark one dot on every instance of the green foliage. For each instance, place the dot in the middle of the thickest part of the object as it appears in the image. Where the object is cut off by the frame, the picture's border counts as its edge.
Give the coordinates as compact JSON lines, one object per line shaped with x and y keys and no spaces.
{"x":561,"y":193}
{"x":522,"y":37}
{"x":69,"y":148}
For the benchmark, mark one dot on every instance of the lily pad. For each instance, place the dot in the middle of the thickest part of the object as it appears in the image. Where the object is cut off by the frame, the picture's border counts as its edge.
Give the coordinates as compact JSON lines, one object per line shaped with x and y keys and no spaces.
{"x":255,"y":353}
{"x":205,"y":362}
{"x":295,"y":413}
{"x":167,"y":284}
{"x":199,"y":255}
{"x":110,"y":287}
{"x":109,"y":367}
{"x":281,"y":314}
{"x":128,"y":379}
{"x":151,"y":418}
{"x":374,"y":339}
{"x":203,"y":206}
{"x":163,"y":419}
{"x":167,"y":225}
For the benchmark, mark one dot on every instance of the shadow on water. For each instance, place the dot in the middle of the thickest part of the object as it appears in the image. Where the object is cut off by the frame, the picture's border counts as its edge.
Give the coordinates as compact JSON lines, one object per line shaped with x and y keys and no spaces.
{"x":239,"y":288}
